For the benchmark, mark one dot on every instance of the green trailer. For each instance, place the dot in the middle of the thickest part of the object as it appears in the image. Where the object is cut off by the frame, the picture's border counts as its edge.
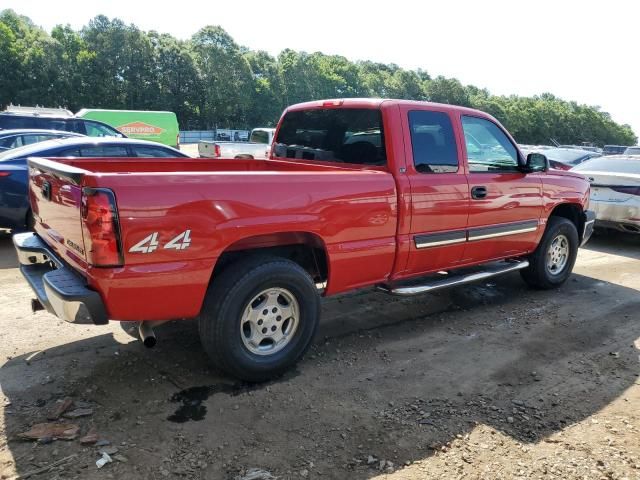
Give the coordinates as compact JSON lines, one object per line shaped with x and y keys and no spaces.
{"x":161,"y":127}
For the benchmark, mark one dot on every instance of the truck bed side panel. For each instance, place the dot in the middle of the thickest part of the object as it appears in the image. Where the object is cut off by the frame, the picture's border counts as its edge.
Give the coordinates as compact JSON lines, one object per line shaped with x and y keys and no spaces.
{"x":354,"y":213}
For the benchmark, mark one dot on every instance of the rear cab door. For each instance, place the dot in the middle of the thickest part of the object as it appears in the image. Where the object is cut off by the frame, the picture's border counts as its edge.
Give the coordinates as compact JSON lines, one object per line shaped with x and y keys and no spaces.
{"x":439,"y":199}
{"x":505,"y":203}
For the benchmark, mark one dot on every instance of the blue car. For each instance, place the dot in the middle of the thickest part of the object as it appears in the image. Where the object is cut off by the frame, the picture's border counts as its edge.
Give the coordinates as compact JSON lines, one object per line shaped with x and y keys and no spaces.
{"x":19,"y":138}
{"x":15,"y":211}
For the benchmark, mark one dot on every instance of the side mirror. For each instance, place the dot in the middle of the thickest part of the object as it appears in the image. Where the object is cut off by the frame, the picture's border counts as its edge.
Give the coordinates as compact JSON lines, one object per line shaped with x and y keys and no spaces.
{"x":536,"y":162}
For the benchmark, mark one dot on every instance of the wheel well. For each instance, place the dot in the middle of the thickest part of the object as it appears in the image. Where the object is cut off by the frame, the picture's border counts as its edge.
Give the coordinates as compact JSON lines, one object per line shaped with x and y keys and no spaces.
{"x":573,"y":213}
{"x":244,"y":156}
{"x":305,"y":249}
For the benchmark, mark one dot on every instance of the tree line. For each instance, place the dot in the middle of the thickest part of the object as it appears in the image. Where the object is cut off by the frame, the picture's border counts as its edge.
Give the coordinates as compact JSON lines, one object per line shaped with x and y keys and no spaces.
{"x":210,"y":81}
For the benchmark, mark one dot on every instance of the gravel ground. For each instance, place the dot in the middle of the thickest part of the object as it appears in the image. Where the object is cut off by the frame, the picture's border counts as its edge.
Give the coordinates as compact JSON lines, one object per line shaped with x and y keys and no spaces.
{"x":487,"y":381}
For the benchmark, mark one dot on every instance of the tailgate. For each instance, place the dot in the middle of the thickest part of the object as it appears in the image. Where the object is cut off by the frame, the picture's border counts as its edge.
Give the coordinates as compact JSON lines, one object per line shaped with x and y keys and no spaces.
{"x":55,"y":193}
{"x":206,"y":149}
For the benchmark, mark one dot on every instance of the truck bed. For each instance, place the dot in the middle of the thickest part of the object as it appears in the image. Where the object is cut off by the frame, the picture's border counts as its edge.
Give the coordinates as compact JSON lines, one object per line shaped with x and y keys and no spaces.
{"x":224,"y":205}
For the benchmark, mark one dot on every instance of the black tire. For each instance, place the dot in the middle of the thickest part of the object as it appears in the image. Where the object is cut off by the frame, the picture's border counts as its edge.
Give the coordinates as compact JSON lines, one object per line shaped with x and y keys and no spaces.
{"x":230,"y":294}
{"x":538,"y":274}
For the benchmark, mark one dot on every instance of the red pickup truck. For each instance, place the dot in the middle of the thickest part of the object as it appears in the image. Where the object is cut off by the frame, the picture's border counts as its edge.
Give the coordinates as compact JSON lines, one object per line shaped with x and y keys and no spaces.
{"x":405,"y":196}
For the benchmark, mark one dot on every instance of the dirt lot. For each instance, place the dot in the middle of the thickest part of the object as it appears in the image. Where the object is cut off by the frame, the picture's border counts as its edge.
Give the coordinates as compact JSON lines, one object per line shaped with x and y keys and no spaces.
{"x":487,"y":381}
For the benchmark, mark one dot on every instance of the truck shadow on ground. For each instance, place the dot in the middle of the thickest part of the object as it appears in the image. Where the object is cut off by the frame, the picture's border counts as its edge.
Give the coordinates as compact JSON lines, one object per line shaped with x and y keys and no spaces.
{"x":8,"y":257}
{"x":387,"y":377}
{"x":616,"y":243}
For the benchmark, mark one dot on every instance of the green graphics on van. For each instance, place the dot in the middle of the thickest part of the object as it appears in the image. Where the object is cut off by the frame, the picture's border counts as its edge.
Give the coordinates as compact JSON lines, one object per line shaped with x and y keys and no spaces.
{"x":161,"y":127}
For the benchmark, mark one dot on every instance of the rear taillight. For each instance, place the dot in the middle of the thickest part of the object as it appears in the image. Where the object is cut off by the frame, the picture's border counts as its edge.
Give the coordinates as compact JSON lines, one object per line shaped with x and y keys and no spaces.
{"x":216,"y":150}
{"x":630,"y":190}
{"x":4,"y":174}
{"x":101,"y":228}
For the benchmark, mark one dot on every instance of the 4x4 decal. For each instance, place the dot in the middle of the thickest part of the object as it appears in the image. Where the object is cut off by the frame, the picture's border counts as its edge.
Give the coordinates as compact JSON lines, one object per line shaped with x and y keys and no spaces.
{"x":150,"y":243}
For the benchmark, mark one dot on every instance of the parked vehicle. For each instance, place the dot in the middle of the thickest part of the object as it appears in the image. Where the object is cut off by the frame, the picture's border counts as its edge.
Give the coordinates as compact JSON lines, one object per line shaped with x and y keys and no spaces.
{"x":587,"y":147}
{"x":91,"y":128}
{"x":15,"y":212}
{"x":161,"y":127}
{"x":615,"y":191}
{"x":248,"y":247}
{"x":19,"y":138}
{"x":614,"y":149}
{"x":258,"y":146}
{"x":632,"y":151}
{"x":567,"y":158}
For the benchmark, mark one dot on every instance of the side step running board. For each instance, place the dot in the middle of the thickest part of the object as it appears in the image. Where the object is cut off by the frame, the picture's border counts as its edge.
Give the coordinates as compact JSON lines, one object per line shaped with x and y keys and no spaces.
{"x":456,"y":279}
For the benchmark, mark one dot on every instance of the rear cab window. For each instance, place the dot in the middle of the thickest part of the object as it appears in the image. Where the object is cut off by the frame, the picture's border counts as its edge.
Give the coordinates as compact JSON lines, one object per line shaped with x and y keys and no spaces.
{"x":342,"y":135}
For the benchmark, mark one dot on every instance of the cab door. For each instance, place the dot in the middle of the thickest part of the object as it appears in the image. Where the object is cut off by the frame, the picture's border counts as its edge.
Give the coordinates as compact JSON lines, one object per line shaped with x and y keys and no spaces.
{"x":505,"y":205}
{"x":439,"y":191}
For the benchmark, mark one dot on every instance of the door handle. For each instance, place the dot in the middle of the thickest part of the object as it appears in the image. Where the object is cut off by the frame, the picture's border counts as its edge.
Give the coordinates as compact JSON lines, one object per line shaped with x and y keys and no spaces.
{"x":478,"y":193}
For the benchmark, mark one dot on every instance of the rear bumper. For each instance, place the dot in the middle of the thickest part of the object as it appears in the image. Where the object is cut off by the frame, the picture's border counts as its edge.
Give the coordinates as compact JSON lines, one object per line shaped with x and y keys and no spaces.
{"x":58,"y":288}
{"x":589,"y":221}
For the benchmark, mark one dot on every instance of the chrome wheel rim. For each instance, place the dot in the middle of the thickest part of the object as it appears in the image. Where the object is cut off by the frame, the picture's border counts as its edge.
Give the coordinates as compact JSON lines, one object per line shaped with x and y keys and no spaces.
{"x":558,"y":255}
{"x":269,"y":321}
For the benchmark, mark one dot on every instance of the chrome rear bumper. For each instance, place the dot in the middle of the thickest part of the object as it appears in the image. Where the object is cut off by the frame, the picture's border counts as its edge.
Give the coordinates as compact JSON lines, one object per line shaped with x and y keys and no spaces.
{"x":60,"y":290}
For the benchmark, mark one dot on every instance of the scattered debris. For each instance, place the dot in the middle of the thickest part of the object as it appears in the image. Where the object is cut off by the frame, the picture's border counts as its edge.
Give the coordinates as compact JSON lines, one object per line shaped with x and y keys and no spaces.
{"x":46,"y":468}
{"x":90,"y":438}
{"x":120,"y":458}
{"x":108,"y":450}
{"x":102,"y":443}
{"x":61,"y":407}
{"x":102,"y":461}
{"x":55,"y":431}
{"x":79,"y":412}
{"x":256,"y":474}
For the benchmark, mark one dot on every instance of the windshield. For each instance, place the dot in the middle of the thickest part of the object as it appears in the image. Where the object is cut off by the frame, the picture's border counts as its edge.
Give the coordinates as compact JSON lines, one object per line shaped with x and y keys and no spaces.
{"x":609,"y":164}
{"x":27,"y":150}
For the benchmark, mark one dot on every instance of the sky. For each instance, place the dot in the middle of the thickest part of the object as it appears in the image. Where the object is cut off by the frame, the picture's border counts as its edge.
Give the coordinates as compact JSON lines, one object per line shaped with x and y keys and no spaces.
{"x":585,"y":51}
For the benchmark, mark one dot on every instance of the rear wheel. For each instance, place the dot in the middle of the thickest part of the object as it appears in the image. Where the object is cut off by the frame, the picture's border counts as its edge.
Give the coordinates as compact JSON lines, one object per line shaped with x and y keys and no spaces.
{"x":552,"y":262}
{"x":259,"y":317}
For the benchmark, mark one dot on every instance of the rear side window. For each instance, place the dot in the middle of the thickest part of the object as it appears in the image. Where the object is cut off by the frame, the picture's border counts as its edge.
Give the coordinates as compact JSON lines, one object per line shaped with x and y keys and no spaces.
{"x":347,"y":135}
{"x":98,"y":130}
{"x":153,"y":152}
{"x":104,"y":151}
{"x":9,"y":122}
{"x":433,"y":142}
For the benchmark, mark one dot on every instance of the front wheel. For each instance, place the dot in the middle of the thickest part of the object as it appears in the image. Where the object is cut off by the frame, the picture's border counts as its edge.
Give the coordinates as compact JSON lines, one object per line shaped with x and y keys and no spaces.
{"x":552,"y":262}
{"x":259,"y":317}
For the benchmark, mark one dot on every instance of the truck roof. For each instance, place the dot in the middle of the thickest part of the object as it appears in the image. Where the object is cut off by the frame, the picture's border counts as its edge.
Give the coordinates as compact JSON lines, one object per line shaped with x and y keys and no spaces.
{"x":377,"y":102}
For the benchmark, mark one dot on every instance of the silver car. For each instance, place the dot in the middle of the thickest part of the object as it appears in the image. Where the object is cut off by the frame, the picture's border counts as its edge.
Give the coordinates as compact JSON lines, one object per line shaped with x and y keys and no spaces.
{"x":615,"y":191}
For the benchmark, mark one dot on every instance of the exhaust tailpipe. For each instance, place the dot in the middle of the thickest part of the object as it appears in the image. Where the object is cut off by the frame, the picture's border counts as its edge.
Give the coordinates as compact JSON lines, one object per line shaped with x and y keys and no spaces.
{"x":147,"y":335}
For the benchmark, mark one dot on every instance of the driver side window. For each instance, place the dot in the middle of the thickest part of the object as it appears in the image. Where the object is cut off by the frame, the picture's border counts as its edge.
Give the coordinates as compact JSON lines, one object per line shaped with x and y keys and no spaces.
{"x":488,"y":148}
